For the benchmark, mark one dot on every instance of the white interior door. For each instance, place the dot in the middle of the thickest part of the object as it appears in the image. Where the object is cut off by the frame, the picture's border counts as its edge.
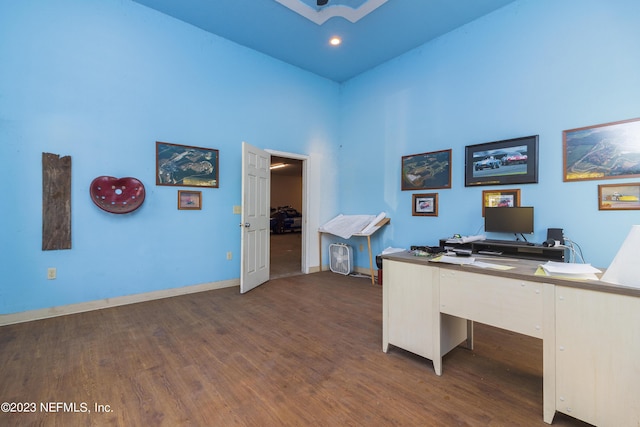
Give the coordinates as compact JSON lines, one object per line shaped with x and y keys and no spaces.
{"x":256,"y":196}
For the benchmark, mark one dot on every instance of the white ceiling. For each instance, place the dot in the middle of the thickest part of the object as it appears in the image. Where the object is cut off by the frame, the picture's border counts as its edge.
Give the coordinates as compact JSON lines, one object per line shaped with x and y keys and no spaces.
{"x":298,"y":31}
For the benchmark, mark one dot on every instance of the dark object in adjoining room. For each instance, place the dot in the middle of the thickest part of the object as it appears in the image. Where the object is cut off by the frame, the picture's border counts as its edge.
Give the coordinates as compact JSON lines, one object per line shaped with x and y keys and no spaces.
{"x":285,"y":218}
{"x":117,"y":195}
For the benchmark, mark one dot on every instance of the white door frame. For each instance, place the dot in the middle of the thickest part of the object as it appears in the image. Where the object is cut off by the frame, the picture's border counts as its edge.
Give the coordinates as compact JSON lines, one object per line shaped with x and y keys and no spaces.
{"x":305,"y":203}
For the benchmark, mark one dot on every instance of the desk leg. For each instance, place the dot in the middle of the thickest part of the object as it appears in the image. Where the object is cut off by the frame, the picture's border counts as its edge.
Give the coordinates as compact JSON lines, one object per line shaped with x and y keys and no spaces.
{"x":436,"y":321}
{"x":549,"y":352}
{"x":437,"y":365}
{"x":320,"y":250}
{"x":469,"y":342}
{"x":385,"y":319}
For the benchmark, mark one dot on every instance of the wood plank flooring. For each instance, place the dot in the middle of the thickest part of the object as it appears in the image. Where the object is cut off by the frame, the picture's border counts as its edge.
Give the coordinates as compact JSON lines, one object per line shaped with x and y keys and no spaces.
{"x":297,"y":351}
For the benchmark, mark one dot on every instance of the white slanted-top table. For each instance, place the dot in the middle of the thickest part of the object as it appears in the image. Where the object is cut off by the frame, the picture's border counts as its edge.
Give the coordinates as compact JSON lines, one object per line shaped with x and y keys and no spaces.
{"x":367,"y":232}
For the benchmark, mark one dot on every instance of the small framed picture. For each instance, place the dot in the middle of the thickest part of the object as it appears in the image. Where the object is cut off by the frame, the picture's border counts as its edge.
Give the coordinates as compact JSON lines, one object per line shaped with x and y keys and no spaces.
{"x":189,"y":200}
{"x":618,"y":197}
{"x":500,"y":199}
{"x":425,"y":204}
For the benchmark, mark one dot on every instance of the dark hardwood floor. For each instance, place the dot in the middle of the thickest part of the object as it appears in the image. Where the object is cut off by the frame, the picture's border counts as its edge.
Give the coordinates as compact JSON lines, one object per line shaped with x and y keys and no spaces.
{"x":297,"y":351}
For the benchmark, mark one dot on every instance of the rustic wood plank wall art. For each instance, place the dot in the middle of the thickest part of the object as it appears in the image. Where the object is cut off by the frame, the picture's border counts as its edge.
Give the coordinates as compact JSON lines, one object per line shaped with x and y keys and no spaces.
{"x":56,"y":202}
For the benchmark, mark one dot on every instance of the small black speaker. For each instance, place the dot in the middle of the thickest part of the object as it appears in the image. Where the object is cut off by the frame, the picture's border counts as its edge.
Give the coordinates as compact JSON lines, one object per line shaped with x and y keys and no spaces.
{"x":555,"y":236}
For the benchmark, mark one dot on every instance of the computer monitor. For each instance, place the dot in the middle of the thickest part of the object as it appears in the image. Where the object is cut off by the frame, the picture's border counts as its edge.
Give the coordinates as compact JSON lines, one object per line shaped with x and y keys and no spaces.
{"x":517,"y":220}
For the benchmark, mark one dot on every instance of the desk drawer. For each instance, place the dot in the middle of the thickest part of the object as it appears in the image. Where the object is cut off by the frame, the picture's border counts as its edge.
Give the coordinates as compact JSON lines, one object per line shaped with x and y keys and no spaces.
{"x":512,"y":304}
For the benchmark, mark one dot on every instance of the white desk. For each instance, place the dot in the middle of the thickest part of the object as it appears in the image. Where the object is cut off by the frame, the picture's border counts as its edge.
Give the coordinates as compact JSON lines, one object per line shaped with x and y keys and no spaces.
{"x":590,"y":330}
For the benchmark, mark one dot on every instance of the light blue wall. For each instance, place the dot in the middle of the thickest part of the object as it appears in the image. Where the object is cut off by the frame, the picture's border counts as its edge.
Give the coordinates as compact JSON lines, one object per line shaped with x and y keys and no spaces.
{"x":533,"y":67}
{"x":101,"y":81}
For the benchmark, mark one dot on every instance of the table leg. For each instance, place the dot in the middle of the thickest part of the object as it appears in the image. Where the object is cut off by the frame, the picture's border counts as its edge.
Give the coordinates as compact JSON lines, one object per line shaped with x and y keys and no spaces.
{"x":373,"y":280}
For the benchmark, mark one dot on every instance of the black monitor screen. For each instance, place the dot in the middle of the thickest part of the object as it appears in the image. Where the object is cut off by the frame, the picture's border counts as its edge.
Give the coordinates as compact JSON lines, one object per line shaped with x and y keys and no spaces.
{"x":509,"y":220}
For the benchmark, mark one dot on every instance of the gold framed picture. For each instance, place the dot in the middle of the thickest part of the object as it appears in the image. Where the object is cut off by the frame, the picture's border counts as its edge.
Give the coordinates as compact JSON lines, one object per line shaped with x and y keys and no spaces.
{"x":500,"y":198}
{"x":619,"y":197}
{"x":189,"y":200}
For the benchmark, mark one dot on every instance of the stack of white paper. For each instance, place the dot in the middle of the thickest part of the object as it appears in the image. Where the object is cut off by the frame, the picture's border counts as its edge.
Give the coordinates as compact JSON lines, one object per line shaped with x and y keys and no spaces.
{"x":570,"y":270}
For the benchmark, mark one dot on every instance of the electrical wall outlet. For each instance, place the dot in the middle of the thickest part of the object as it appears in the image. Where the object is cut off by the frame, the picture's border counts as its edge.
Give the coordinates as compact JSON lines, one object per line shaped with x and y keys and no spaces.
{"x":51,"y":273}
{"x":229,"y":255}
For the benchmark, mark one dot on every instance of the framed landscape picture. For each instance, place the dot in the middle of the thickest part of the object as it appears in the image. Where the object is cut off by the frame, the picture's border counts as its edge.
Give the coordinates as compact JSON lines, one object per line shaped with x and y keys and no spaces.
{"x":426,"y":171}
{"x":511,"y":161}
{"x":619,"y":197}
{"x":425,"y":204}
{"x":186,"y":166}
{"x":610,"y":150}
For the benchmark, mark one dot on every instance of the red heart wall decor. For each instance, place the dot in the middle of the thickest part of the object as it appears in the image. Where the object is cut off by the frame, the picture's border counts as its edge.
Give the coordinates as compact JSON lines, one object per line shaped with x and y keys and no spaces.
{"x":117,"y":195}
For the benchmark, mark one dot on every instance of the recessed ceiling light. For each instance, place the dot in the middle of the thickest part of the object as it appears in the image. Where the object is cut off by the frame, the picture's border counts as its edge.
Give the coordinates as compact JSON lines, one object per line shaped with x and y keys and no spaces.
{"x":335,"y":41}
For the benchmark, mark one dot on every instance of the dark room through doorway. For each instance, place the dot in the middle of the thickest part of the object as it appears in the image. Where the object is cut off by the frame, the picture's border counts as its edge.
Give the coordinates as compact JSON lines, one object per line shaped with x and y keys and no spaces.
{"x":286,"y":217}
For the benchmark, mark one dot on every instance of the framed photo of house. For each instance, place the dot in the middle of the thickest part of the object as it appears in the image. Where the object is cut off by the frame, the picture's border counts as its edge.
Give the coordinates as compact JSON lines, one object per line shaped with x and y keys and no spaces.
{"x":189,"y":200}
{"x":511,"y":161}
{"x":619,"y":197}
{"x":426,"y":170}
{"x":425,"y":204}
{"x":610,"y":150}
{"x":186,"y":166}
{"x":500,"y":198}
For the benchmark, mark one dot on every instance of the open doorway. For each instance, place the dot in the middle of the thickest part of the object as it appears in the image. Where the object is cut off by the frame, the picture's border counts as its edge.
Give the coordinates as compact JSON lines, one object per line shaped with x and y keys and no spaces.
{"x":287,"y":210}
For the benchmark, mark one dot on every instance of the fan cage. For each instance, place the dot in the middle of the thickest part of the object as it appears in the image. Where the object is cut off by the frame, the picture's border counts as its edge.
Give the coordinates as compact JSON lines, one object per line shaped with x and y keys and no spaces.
{"x":340,"y":258}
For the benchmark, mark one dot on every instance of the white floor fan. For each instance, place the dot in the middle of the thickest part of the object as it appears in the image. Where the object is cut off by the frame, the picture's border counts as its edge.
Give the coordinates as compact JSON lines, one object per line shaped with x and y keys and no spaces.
{"x":340,"y":258}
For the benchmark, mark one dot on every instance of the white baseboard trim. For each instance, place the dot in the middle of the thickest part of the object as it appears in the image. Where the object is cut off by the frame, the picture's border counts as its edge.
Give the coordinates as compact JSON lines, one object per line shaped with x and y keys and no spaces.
{"x":45,"y":313}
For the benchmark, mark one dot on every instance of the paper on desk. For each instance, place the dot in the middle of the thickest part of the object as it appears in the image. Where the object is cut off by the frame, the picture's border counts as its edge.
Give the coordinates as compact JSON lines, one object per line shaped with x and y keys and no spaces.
{"x":482,"y":264}
{"x":570,"y":270}
{"x":454,"y":259}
